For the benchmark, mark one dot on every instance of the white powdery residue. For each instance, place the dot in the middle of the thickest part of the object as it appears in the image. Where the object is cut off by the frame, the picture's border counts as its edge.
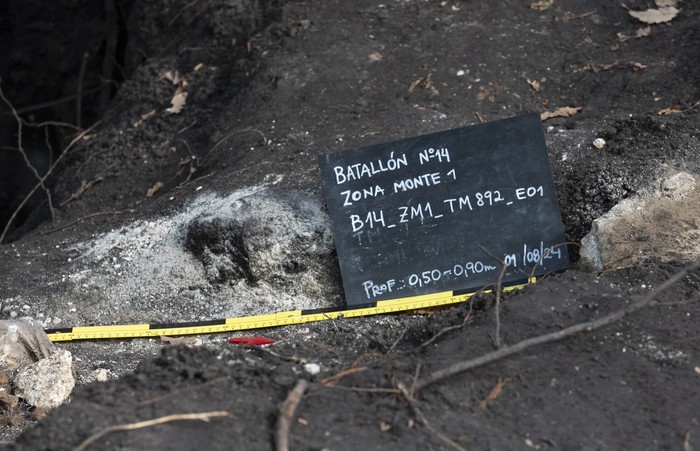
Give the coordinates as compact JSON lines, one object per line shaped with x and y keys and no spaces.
{"x":143,"y":271}
{"x":148,"y":238}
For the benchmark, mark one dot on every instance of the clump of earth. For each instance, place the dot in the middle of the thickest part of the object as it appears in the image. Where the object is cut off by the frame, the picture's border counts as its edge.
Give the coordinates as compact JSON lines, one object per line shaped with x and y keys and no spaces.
{"x":187,"y":189}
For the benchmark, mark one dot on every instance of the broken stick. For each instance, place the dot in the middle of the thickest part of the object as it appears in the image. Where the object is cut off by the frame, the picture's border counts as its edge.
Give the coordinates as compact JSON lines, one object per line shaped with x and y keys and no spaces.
{"x":466,"y":365}
{"x":287,"y":409}
{"x":205,"y":416}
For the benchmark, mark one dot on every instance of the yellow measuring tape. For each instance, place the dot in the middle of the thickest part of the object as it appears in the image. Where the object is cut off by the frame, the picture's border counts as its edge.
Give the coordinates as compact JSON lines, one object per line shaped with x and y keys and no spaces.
{"x":260,"y":321}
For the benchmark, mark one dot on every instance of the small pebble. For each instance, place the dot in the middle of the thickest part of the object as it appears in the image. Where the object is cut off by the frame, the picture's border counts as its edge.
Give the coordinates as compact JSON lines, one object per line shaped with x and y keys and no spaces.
{"x":599,"y":143}
{"x":13,"y":314}
{"x":312,"y":368}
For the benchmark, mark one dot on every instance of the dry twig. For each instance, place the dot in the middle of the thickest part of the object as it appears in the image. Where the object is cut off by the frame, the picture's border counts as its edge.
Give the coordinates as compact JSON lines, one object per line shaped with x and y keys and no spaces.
{"x":79,"y":94}
{"x":77,"y":138}
{"x":497,"y":308}
{"x":409,"y":396}
{"x":90,"y":216}
{"x":24,"y":154}
{"x":448,"y":441}
{"x":287,"y":409}
{"x":234,"y":133}
{"x":50,"y":103}
{"x":293,"y":358}
{"x":332,"y":380}
{"x":466,"y":365}
{"x":393,"y":391}
{"x":205,"y":416}
{"x":444,"y":330}
{"x":393,"y":347}
{"x":499,"y":284}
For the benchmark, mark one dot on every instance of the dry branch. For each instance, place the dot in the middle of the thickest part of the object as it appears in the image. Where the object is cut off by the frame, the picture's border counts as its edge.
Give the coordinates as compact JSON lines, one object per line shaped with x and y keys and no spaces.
{"x":499,"y":286}
{"x":24,"y":154}
{"x":466,"y":365}
{"x":79,"y":94}
{"x":409,"y":396}
{"x":90,"y":216}
{"x":444,"y":330}
{"x":332,"y":380}
{"x":287,"y":409}
{"x":50,"y":103}
{"x":77,"y":138}
{"x":205,"y":416}
{"x":235,"y":133}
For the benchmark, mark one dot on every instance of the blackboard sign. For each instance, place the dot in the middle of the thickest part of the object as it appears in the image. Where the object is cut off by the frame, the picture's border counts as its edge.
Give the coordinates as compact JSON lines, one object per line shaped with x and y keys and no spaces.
{"x":422,"y":215}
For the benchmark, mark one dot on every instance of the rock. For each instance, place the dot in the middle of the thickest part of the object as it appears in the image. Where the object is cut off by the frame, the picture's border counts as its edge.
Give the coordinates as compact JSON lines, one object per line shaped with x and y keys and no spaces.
{"x":22,"y":342}
{"x":678,"y":186}
{"x":100,"y":375}
{"x":663,"y":225}
{"x":312,"y":368}
{"x":48,"y":383}
{"x":599,"y":143}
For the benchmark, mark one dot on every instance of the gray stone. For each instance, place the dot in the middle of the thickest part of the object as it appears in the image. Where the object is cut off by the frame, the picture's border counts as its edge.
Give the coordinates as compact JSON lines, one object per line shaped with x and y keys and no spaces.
{"x":678,"y":186}
{"x":47,"y":383}
{"x":663,"y":224}
{"x":100,"y":375}
{"x":22,"y":342}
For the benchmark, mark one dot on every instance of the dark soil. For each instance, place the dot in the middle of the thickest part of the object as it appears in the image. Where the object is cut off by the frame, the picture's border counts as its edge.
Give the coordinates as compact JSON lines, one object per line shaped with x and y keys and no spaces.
{"x":628,"y":386}
{"x":281,"y":82}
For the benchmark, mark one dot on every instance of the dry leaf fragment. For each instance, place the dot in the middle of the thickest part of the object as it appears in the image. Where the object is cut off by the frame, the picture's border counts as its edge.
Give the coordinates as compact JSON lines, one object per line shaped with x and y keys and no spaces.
{"x":622,"y":36}
{"x":661,"y":15}
{"x":494,"y":393}
{"x":425,"y":83}
{"x":485,"y":94}
{"x":183,"y":164}
{"x":384,"y":426}
{"x":144,"y":118}
{"x":174,"y":77}
{"x":534,"y":84}
{"x":154,"y":189}
{"x":675,"y":109}
{"x":531,"y":444}
{"x":670,"y":110}
{"x":177,"y":103}
{"x":375,"y":56}
{"x":643,"y":32}
{"x":541,"y":5}
{"x":565,"y":111}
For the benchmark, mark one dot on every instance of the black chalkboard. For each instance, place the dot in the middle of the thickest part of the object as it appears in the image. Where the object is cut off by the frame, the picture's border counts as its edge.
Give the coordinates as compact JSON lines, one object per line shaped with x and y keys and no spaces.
{"x":422,"y":215}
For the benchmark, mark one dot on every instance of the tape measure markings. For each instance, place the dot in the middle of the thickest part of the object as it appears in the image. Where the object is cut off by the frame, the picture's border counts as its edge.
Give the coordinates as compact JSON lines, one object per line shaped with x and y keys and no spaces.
{"x":286,"y":318}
